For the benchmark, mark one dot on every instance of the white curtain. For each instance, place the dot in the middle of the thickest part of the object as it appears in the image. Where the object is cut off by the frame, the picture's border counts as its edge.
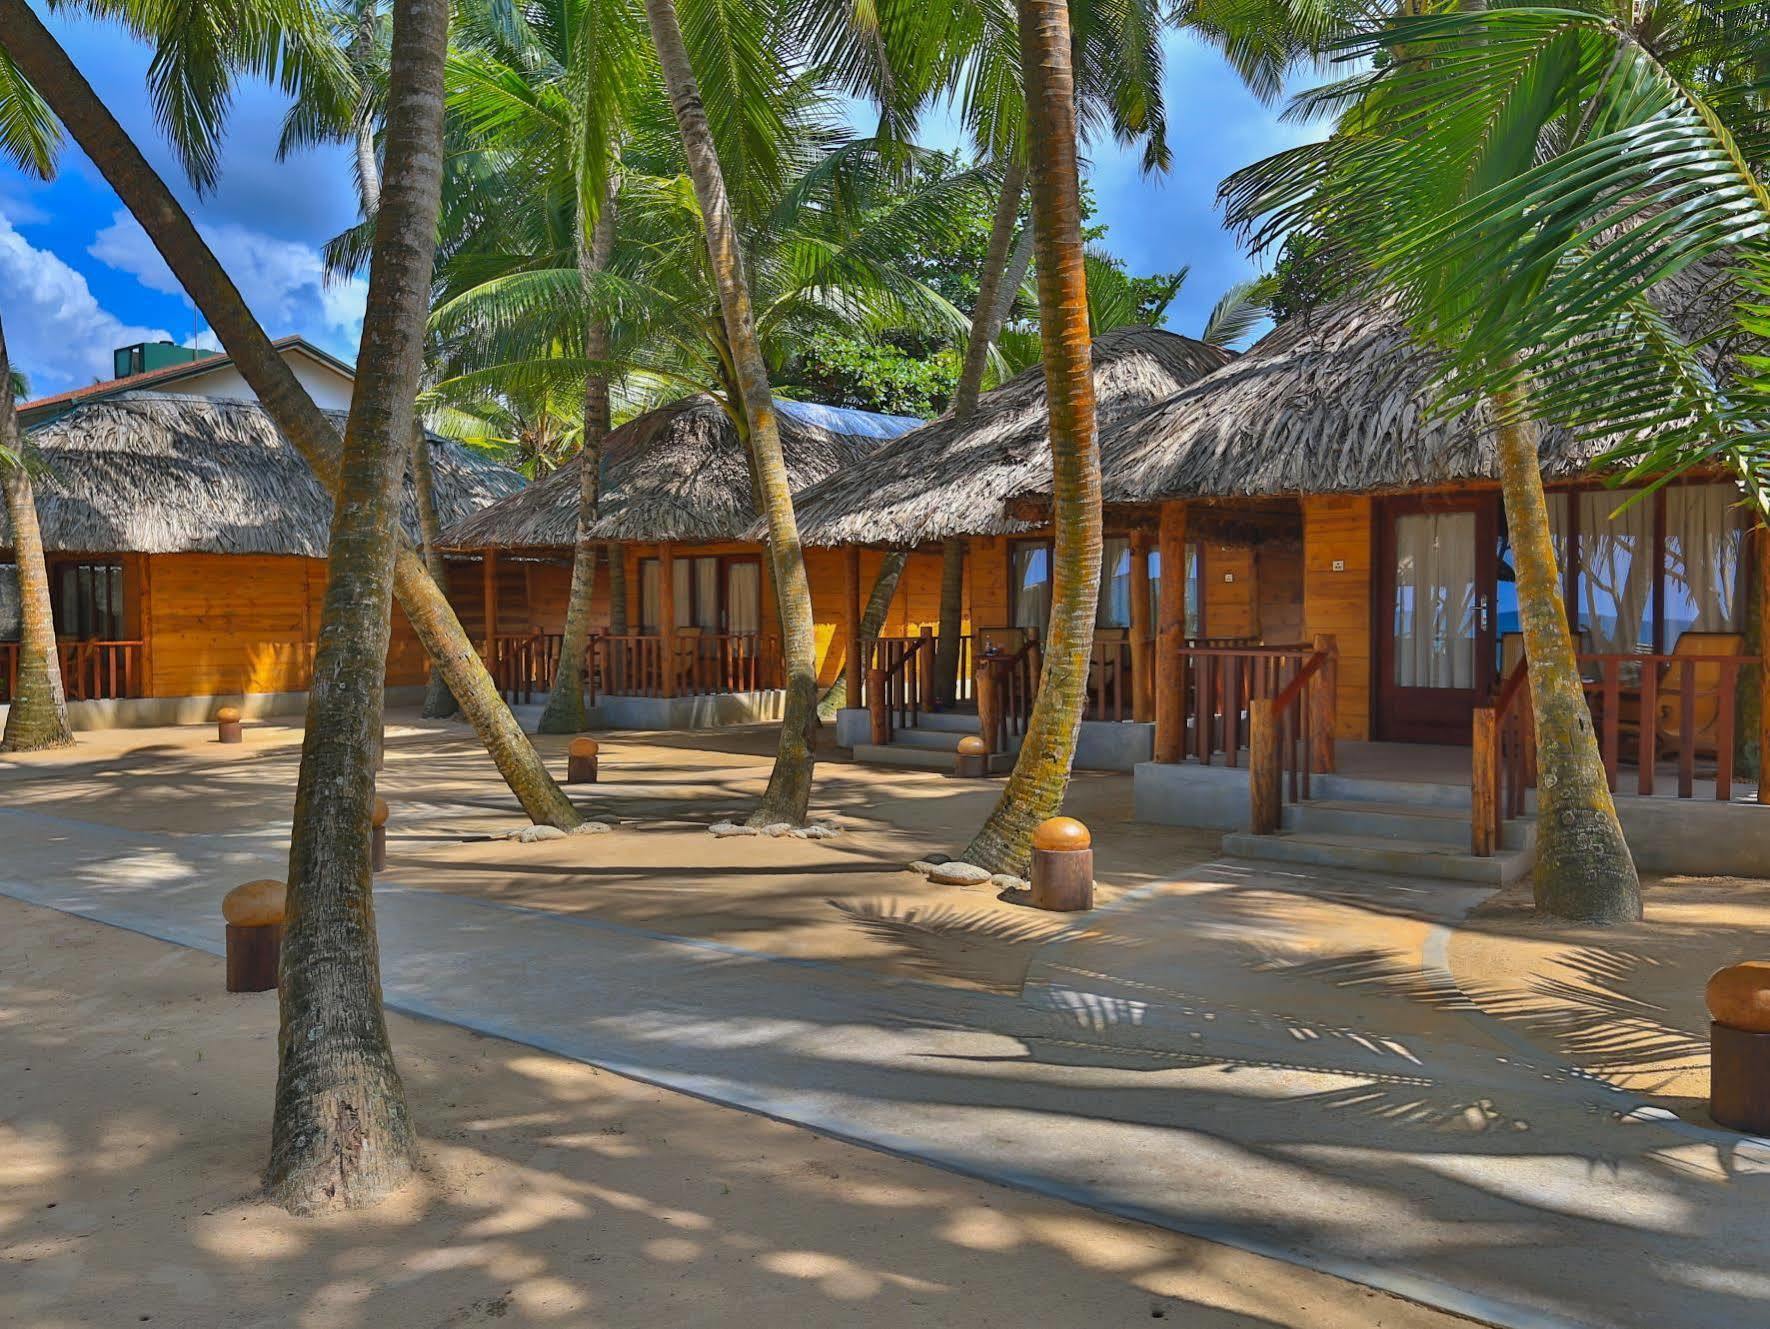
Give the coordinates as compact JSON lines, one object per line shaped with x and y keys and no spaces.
{"x":1114,"y":609}
{"x":1032,"y":586}
{"x":1705,"y":539}
{"x":680,"y":585}
{"x":1616,"y":571}
{"x":743,"y":597}
{"x":650,"y":591}
{"x":706,"y":594}
{"x":1435,"y":600}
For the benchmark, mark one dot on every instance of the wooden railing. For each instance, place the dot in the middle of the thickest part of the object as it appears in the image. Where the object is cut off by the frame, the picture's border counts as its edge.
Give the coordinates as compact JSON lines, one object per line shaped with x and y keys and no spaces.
{"x":525,"y":666}
{"x":702,"y":664}
{"x":1502,"y":763}
{"x":900,"y":682}
{"x":1290,"y":736}
{"x":1111,"y":678}
{"x":1007,"y":681}
{"x":1219,"y":683}
{"x":100,"y":670}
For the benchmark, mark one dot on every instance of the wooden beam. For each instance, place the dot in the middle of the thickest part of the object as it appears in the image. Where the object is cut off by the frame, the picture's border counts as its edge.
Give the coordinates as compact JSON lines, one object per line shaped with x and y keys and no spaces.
{"x":851,"y":661}
{"x":667,"y":616}
{"x":1170,"y":710}
{"x":1142,"y":633}
{"x":489,"y":572}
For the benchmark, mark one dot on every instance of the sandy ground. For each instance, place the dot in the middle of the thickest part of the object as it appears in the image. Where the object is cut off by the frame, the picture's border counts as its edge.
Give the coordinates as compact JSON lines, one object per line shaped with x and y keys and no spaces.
{"x":135,"y":1098}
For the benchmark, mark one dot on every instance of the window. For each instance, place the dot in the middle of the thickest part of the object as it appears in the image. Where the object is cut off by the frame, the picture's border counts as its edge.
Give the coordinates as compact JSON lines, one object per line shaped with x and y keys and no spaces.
{"x":711,"y":594}
{"x":1195,"y":590}
{"x":1030,"y":568}
{"x":1616,"y":571}
{"x":1704,"y":560}
{"x":89,"y":601}
{"x":1115,"y":584}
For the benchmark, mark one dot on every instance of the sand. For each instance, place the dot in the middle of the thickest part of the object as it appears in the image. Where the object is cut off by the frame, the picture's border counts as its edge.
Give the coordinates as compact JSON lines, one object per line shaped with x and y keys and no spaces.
{"x":134,"y":1102}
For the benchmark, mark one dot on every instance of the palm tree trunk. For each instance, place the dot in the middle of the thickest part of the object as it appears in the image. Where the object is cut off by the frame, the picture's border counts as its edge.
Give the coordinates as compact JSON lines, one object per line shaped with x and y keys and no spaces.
{"x":439,"y":702}
{"x":37,"y":716}
{"x":92,"y":126}
{"x":1583,"y":867}
{"x":789,"y":784}
{"x":342,"y":1136}
{"x":1040,"y":777}
{"x":872,"y":619}
{"x":952,"y":619}
{"x":565,"y":713}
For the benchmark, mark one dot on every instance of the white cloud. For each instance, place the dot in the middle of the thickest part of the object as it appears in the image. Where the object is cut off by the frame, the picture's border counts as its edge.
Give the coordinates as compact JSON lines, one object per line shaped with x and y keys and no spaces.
{"x":56,"y":331}
{"x":282,"y":280}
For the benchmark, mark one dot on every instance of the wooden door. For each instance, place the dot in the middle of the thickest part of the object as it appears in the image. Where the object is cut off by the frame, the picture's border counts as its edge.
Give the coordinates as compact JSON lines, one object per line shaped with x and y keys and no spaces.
{"x":1434,"y":621}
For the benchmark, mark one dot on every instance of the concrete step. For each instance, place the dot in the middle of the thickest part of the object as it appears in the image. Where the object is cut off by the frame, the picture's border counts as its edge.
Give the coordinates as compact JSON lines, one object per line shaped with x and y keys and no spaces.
{"x":1415,"y":858}
{"x":1380,"y":822}
{"x":940,"y":740}
{"x":933,"y":759}
{"x":948,"y":722}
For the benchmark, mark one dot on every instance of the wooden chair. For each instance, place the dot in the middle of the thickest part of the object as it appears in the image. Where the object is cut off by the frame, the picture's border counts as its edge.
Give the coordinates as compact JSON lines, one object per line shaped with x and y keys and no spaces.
{"x":1705,"y":686}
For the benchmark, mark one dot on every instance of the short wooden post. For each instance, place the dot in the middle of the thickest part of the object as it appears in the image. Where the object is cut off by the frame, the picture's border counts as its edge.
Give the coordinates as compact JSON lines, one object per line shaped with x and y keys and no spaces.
{"x":1484,"y":783}
{"x":1264,"y":775}
{"x":1323,"y":694}
{"x":1738,"y":998}
{"x":254,"y":917}
{"x":971,"y":758}
{"x":1142,"y":632}
{"x":877,"y":715}
{"x":1170,"y":701}
{"x":667,"y":618}
{"x":580,"y":761}
{"x":857,"y":671}
{"x":1062,"y":871}
{"x":989,"y":715}
{"x":378,"y":836}
{"x":227,"y":725}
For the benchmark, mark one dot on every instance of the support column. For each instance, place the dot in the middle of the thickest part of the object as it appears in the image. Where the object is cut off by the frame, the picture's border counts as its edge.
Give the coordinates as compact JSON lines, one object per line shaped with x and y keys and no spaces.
{"x":854,"y":669}
{"x":1142,"y":635}
{"x":1170,"y":701}
{"x":489,"y":598}
{"x":667,"y":619}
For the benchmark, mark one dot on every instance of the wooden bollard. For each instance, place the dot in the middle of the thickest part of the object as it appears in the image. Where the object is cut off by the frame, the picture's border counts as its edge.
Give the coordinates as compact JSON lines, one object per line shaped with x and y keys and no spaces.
{"x":1738,"y":999}
{"x":971,"y":758}
{"x":1062,"y":865}
{"x":378,"y":836}
{"x":227,"y":725}
{"x":580,"y":761}
{"x":254,"y":917}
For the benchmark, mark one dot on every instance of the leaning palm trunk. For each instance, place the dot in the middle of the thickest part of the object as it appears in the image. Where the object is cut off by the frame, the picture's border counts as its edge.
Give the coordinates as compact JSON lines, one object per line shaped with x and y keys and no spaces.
{"x":872,"y":621}
{"x":789,"y":785}
{"x":92,"y":126}
{"x":1003,"y":271}
{"x":1040,"y":777}
{"x":565,"y":713}
{"x":1583,"y":867}
{"x":342,"y":1136}
{"x":439,"y":702}
{"x":38,"y":714}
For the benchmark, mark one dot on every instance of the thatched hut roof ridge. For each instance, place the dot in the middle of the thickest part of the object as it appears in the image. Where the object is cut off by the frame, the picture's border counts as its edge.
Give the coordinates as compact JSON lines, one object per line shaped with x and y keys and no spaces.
{"x":678,"y":473}
{"x":952,"y":478}
{"x":161,"y":473}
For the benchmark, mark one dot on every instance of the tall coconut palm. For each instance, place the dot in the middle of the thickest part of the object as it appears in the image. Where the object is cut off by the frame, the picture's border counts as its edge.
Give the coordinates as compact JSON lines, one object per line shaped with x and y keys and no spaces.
{"x":1526,"y":178}
{"x":1040,"y":777}
{"x":342,"y":1135}
{"x":37,"y":717}
{"x":40,"y":59}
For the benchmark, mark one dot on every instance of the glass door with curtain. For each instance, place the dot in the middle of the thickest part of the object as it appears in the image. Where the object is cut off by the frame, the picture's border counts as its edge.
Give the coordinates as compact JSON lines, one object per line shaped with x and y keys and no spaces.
{"x":1436,"y":573}
{"x":743,"y":595}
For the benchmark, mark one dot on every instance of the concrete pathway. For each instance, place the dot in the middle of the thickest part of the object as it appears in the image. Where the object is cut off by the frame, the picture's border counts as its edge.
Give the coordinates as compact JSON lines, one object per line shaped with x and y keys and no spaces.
{"x":1352,"y":1115}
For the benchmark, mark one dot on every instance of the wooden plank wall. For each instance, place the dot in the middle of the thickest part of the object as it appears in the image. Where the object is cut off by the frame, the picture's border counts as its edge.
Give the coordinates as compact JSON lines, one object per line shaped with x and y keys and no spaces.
{"x":1338,"y":599}
{"x":1231,"y":591}
{"x":1279,"y":573}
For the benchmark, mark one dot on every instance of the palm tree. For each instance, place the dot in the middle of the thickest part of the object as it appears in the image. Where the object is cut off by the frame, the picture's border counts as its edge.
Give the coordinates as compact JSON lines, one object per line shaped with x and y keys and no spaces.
{"x":1040,"y":777}
{"x":41,"y":60}
{"x":1512,"y":174}
{"x":37,"y":716}
{"x":342,"y":1135}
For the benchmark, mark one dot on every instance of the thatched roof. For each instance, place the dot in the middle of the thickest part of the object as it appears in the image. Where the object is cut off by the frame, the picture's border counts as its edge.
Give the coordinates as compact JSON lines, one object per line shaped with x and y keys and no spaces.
{"x":1343,"y":399}
{"x":951,"y":477}
{"x":677,"y":473}
{"x":157,"y":473}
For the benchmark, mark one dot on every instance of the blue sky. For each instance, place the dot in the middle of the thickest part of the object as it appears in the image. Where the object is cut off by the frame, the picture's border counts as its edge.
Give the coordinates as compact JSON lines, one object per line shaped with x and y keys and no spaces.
{"x":78,"y":277}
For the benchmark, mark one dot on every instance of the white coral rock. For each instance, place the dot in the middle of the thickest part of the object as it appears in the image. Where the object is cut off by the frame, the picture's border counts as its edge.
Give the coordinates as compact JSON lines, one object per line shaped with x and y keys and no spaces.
{"x":592,"y":828}
{"x":958,"y":874}
{"x":530,"y":834}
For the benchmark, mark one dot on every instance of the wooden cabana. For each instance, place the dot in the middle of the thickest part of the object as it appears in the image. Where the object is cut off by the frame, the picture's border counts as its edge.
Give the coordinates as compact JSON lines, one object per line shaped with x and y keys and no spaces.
{"x":186,"y":542}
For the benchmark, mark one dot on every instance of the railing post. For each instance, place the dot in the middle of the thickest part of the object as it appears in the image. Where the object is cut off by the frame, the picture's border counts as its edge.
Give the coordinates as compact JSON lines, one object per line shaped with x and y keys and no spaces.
{"x":857,"y":669}
{"x":989,"y":718}
{"x":1484,"y":783}
{"x":925,"y":670}
{"x":1142,"y":634}
{"x":1325,"y":684}
{"x":1264,"y":773}
{"x":876,"y":707}
{"x":1170,"y":703}
{"x":667,"y":620}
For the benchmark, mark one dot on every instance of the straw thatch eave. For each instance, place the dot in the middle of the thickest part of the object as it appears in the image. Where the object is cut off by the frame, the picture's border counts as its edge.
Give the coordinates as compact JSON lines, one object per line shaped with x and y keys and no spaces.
{"x":951,"y":477}
{"x":160,"y":473}
{"x":679,"y":473}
